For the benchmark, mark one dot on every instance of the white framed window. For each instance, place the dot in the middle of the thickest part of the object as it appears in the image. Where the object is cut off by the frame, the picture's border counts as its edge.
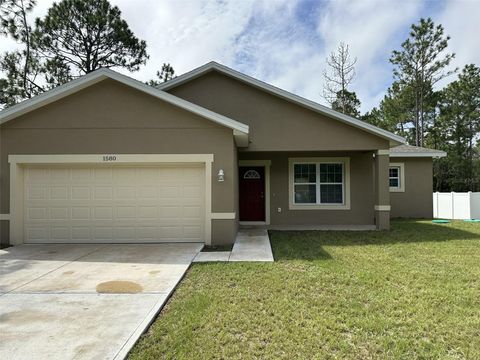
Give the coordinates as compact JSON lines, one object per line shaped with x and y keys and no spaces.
{"x":319,"y":183}
{"x":396,"y":177}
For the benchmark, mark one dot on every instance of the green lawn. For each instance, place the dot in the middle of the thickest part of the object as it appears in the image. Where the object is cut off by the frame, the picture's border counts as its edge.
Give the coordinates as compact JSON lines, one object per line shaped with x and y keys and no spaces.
{"x":411,"y":293}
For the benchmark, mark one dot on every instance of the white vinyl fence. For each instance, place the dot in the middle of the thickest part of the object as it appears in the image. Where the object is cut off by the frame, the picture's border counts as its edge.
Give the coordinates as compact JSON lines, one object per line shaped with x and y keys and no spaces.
{"x":455,"y":205}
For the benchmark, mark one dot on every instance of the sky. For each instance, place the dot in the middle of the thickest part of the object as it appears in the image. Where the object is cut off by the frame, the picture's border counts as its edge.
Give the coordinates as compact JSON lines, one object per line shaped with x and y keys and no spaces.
{"x":286,"y":42}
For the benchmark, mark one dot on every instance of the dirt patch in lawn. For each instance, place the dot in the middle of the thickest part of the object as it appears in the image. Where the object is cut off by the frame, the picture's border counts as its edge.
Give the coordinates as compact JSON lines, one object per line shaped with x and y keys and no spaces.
{"x":119,"y":287}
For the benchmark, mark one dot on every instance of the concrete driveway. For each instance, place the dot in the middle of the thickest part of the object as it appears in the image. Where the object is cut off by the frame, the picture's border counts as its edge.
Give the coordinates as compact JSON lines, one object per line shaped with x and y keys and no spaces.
{"x":84,"y":301}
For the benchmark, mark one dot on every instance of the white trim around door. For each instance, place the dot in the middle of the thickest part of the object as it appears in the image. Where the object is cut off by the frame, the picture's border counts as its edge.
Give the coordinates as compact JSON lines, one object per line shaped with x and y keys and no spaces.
{"x":18,"y":162}
{"x":266,"y":164}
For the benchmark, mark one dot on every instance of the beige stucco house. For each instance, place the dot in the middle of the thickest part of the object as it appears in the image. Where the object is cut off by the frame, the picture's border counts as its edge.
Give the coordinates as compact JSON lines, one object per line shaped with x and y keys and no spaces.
{"x":106,"y":158}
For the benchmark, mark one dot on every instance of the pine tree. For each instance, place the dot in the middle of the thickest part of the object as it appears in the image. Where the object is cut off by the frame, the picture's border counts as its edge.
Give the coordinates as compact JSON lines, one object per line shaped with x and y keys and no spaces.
{"x":85,"y":35}
{"x":459,"y":129}
{"x":394,"y":112}
{"x":75,"y":38}
{"x":420,"y":64}
{"x":21,"y":67}
{"x":347,"y":102}
{"x":167,"y":73}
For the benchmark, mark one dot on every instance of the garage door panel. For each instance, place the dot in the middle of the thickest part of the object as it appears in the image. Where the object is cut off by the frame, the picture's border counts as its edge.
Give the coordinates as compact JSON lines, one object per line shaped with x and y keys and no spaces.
{"x":147,"y":192}
{"x":147,"y":212}
{"x":81,"y":192}
{"x":102,"y":193}
{"x":59,"y":175}
{"x":81,"y":213}
{"x":192,"y":212}
{"x":103,"y":233}
{"x":125,"y":193}
{"x":103,"y":175}
{"x":170,"y":232}
{"x":170,"y":212}
{"x":191,"y":232}
{"x":35,"y":213}
{"x":60,"y":233}
{"x":81,"y":233}
{"x":124,"y":233}
{"x":59,"y":213}
{"x":37,"y":234}
{"x":147,"y":233}
{"x":36,"y":193}
{"x":124,"y":204}
{"x":39,"y":175}
{"x":170,"y":191}
{"x":125,"y":212}
{"x":81,"y":175}
{"x":58,"y":193}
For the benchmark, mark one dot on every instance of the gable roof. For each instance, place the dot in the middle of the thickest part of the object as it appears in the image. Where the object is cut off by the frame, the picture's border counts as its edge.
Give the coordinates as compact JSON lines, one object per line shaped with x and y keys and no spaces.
{"x":415,"y":151}
{"x":214,"y":66}
{"x":240,"y":130}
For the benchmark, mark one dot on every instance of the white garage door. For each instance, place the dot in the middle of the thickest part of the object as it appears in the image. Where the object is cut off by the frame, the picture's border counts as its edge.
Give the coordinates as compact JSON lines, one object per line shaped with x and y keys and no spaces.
{"x":114,"y":204}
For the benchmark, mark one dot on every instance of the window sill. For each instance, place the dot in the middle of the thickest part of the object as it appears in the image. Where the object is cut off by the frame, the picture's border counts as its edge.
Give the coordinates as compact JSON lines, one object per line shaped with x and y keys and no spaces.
{"x":397,"y":190}
{"x":319,"y":207}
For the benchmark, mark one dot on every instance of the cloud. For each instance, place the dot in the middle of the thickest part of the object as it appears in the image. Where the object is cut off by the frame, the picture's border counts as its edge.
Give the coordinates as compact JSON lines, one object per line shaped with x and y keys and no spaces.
{"x":460,"y":20}
{"x":286,"y":42}
{"x":186,"y":33}
{"x":290,"y":52}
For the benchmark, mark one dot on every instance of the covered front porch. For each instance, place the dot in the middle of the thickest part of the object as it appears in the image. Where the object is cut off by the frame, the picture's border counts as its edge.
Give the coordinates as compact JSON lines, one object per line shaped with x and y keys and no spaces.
{"x":314,"y":190}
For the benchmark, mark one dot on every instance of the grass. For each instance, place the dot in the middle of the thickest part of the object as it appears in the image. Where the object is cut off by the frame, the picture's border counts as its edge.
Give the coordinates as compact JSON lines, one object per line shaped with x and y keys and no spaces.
{"x":411,"y":293}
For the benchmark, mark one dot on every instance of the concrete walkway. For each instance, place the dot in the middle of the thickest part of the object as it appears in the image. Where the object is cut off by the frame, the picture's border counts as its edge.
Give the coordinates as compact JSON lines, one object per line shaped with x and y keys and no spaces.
{"x":250,"y":245}
{"x":84,"y":301}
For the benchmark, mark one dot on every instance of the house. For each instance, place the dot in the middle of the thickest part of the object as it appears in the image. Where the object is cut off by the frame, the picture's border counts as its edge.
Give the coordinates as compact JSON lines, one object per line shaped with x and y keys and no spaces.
{"x":105,"y":158}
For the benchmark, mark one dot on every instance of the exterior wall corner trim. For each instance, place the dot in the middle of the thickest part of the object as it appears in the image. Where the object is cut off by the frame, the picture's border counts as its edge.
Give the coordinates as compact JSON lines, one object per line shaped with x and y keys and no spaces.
{"x":5,"y":217}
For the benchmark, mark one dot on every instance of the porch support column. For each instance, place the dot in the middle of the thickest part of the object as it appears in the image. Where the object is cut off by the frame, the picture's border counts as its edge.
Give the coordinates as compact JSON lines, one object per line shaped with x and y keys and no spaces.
{"x":382,"y":190}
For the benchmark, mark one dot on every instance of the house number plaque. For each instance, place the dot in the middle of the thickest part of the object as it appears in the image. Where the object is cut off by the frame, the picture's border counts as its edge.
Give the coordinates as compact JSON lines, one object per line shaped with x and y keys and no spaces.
{"x":109,"y":158}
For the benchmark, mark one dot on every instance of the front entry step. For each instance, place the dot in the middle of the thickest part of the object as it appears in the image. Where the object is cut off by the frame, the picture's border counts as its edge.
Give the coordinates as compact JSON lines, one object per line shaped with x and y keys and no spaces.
{"x":250,"y":245}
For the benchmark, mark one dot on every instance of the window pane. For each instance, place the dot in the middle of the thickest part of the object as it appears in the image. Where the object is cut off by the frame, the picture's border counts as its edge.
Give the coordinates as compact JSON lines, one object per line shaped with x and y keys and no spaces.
{"x":331,"y":194}
{"x":305,"y":173}
{"x":331,"y":173}
{"x":393,"y":172}
{"x":394,"y":182}
{"x":305,"y":194}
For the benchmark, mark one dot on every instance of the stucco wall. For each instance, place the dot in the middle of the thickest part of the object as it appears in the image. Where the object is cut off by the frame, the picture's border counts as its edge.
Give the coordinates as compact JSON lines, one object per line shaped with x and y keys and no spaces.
{"x":111,"y":118}
{"x":361,"y":188}
{"x":275,"y":123}
{"x":416,"y":201}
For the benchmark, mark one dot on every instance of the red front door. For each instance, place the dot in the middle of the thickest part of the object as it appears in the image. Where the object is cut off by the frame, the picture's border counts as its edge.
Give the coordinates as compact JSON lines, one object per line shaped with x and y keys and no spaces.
{"x":252,"y":193}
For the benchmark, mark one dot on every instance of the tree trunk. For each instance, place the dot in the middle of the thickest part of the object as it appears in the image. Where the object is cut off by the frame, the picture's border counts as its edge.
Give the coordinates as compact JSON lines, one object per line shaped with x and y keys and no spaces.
{"x":470,"y":156}
{"x":417,"y":138}
{"x":27,"y":53}
{"x":422,"y":118}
